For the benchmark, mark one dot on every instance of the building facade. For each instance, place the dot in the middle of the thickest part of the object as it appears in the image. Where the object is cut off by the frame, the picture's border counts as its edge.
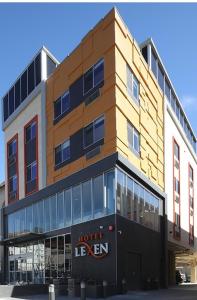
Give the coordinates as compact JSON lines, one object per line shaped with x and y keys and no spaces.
{"x":87,"y":185}
{"x":180,"y":169}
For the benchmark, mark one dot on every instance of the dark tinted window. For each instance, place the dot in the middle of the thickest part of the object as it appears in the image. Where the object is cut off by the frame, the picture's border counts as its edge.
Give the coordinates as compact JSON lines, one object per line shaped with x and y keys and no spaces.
{"x":88,"y":80}
{"x":65,"y":102}
{"x":11,"y":101}
{"x":24,"y":86}
{"x":154,"y":63}
{"x":5,"y":107}
{"x":31,"y":78}
{"x":57,"y":108}
{"x":12,"y":148}
{"x":160,"y":78}
{"x":17,"y":93}
{"x":98,"y":72}
{"x":145,"y":53}
{"x":167,"y":90}
{"x":38,"y":69}
{"x":50,"y":66}
{"x":31,"y":132}
{"x":58,"y":155}
{"x":88,"y":135}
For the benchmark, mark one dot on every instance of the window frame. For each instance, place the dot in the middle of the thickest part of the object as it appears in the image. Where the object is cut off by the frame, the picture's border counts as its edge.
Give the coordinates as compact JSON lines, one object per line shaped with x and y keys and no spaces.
{"x":14,"y":138}
{"x":102,"y":118}
{"x":67,"y":92}
{"x":133,"y":79}
{"x":100,"y":61}
{"x":61,"y":145}
{"x":133,"y":132}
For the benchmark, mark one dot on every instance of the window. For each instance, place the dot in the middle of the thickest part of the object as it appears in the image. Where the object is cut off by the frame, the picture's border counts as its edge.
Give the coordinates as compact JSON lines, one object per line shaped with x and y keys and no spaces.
{"x":145,"y":53}
{"x":31,"y":132}
{"x":98,"y":204}
{"x":31,"y":156}
{"x":160,"y":78}
{"x":132,"y":85}
{"x":94,"y":132}
{"x":32,"y":172}
{"x":93,"y":76}
{"x":12,"y":148}
{"x":17,"y":93}
{"x":87,"y":200}
{"x":6,"y":107}
{"x":177,"y":185}
{"x":154,"y":63}
{"x":176,"y":151}
{"x":61,"y":105}
{"x":62,"y":152}
{"x":11,"y":101}
{"x":76,"y":204}
{"x":31,"y":78}
{"x":133,"y":138}
{"x":13,"y":184}
{"x":167,"y":90}
{"x":12,"y":168}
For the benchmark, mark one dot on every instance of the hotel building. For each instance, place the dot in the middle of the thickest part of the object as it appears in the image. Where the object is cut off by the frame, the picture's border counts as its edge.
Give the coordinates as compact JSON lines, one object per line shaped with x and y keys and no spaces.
{"x":85,"y":165}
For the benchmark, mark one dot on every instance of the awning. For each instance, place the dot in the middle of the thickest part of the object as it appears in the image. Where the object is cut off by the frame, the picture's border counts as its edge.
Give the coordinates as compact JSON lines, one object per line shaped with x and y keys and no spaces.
{"x":24,"y":237}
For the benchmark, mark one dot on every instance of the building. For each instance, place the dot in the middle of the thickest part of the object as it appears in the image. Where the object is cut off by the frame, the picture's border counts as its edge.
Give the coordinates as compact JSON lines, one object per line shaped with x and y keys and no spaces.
{"x":180,"y":170}
{"x":88,"y":186}
{"x":2,"y":204}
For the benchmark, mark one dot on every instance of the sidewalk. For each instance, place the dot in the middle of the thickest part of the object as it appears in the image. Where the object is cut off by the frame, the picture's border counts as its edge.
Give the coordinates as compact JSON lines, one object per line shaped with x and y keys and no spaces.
{"x":183,"y":292}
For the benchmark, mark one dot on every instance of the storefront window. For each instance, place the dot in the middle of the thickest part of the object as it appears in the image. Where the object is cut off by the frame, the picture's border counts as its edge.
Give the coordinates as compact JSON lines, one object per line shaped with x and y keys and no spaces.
{"x":53,"y":212}
{"x":67,"y":207}
{"x":87,"y":201}
{"x":98,"y":196}
{"x":47,"y":214}
{"x":121,"y":193}
{"x":76,"y":202}
{"x":60,"y":210}
{"x":110,"y":192}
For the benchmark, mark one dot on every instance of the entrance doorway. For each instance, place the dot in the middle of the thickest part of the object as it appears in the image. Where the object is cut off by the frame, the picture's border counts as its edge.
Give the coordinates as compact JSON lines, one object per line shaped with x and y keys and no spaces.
{"x":133,"y":270}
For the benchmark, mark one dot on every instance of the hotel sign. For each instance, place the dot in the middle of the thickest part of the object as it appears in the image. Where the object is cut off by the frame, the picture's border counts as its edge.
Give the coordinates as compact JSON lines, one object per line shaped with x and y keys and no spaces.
{"x":92,"y":245}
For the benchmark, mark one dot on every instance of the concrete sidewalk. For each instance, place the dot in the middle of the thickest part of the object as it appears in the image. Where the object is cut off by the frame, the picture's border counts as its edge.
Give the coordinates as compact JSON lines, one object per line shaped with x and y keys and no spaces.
{"x":184,"y":292}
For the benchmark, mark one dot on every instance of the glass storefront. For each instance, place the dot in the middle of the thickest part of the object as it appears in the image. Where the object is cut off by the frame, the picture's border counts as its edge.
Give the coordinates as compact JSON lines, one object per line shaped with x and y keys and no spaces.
{"x":137,"y":203}
{"x":89,"y":200}
{"x":40,"y":261}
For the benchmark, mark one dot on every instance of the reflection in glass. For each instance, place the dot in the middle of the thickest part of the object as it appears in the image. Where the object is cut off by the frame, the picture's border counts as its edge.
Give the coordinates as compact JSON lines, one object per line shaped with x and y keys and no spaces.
{"x":87,"y":200}
{"x":60,"y":210}
{"x":76,"y":202}
{"x":67,"y":207}
{"x":98,"y":204}
{"x":110,"y":192}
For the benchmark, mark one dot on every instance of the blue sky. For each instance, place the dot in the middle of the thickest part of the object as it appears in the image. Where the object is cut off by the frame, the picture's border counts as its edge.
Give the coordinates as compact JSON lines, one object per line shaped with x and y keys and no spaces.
{"x":24,"y":28}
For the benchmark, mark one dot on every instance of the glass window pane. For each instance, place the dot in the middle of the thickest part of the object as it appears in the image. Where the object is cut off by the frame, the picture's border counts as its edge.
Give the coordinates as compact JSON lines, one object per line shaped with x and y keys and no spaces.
{"x":135,"y":88}
{"x":98,"y":204}
{"x":38,"y":69}
{"x":65,"y":102}
{"x":67,"y":207}
{"x":154,"y":63}
{"x":160,"y":78}
{"x":141,"y":205}
{"x":130,"y":203}
{"x":60,"y":210}
{"x":54,"y":261}
{"x":88,"y":135}
{"x":5,"y":107}
{"x":17,"y":93}
{"x":136,"y":144}
{"x":88,"y":80}
{"x":167,"y":90}
{"x":66,"y":150}
{"x":86,"y":200}
{"x":98,"y":129}
{"x":53,"y":212}
{"x":57,"y":108}
{"x":58,"y":155}
{"x":76,"y":204}
{"x":47,"y":214}
{"x":11,"y":101}
{"x":34,"y":171}
{"x":121,"y":193}
{"x":98,"y":72}
{"x":129,"y":82}
{"x":136,"y":202}
{"x":31,"y":78}
{"x":29,"y":219}
{"x":130,"y":135}
{"x":61,"y":256}
{"x":110,"y":192}
{"x":24,"y":86}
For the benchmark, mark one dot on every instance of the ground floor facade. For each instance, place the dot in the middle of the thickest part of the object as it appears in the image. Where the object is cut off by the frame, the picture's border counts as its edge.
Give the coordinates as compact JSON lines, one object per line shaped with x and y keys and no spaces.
{"x":106,"y":222}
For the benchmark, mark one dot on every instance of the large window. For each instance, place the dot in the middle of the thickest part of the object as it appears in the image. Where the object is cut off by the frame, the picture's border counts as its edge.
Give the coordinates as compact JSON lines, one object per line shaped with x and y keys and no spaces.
{"x":94,"y":132}
{"x":133,"y":138}
{"x":137,"y":203}
{"x":61,"y":105}
{"x":93,"y":76}
{"x":62,"y":152}
{"x":88,"y":200}
{"x":132,"y":85}
{"x":12,"y":168}
{"x":31,"y":156}
{"x":23,"y":87}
